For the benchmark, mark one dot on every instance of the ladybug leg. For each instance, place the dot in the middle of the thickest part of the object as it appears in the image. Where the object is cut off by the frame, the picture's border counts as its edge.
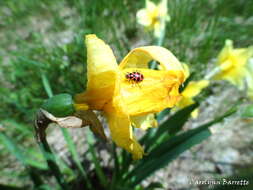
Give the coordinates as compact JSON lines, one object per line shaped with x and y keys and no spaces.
{"x":138,"y":84}
{"x":132,"y":83}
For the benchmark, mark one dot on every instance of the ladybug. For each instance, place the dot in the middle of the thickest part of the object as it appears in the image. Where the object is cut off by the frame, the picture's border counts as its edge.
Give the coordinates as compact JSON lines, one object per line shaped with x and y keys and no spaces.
{"x":134,"y":77}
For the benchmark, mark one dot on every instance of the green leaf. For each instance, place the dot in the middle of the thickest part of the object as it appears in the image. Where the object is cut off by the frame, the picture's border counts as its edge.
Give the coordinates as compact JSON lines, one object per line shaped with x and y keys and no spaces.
{"x":10,"y":187}
{"x":155,"y":136}
{"x":170,"y":127}
{"x":161,"y":157}
{"x":154,"y":185}
{"x":162,"y":114}
{"x":176,"y":121}
{"x":168,"y":150}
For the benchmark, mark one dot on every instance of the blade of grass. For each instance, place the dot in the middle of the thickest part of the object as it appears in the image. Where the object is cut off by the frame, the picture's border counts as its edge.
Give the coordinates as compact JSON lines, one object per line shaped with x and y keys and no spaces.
{"x":17,"y":152}
{"x":46,"y":85}
{"x":116,"y":173}
{"x":22,"y":128}
{"x":95,"y":160}
{"x":75,"y":156}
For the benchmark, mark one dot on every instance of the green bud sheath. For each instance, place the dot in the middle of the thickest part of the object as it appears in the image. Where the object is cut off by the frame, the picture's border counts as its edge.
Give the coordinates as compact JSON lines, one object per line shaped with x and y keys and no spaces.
{"x":60,"y":105}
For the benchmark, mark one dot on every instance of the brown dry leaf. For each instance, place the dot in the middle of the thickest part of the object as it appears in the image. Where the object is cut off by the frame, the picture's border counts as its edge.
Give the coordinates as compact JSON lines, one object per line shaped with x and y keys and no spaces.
{"x":90,"y":118}
{"x":65,"y":122}
{"x":81,"y":119}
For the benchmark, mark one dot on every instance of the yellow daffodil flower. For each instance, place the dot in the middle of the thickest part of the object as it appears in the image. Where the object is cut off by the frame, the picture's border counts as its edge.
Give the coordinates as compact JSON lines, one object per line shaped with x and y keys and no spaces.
{"x":232,"y":64}
{"x":124,"y":102}
{"x":190,"y":91}
{"x":153,"y":17}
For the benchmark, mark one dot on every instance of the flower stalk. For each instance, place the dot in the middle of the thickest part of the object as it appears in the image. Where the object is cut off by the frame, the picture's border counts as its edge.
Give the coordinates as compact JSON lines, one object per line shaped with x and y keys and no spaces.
{"x":41,"y":123}
{"x":60,"y":105}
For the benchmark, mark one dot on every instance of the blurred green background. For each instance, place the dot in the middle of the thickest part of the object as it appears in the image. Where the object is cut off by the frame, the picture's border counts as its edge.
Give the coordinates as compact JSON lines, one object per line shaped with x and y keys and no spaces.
{"x":45,"y":38}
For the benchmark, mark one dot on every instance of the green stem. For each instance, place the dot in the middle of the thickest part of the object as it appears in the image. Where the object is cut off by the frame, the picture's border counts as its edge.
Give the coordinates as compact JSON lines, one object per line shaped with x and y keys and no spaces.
{"x":116,"y":167}
{"x":67,"y":137}
{"x":159,"y":42}
{"x":212,"y":73}
{"x":41,"y":124}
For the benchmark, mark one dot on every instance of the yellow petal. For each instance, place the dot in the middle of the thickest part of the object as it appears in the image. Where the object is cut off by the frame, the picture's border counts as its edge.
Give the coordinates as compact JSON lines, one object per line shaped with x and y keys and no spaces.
{"x":194,"y":88}
{"x":148,"y":16}
{"x":140,"y":57}
{"x":150,"y":6}
{"x":225,"y":52}
{"x":158,"y":90}
{"x":241,"y":56}
{"x":191,"y":90}
{"x":144,"y":122}
{"x":162,"y":6}
{"x":186,"y":70}
{"x":184,"y":102}
{"x":122,"y":134}
{"x":102,"y":71}
{"x":143,"y":18}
